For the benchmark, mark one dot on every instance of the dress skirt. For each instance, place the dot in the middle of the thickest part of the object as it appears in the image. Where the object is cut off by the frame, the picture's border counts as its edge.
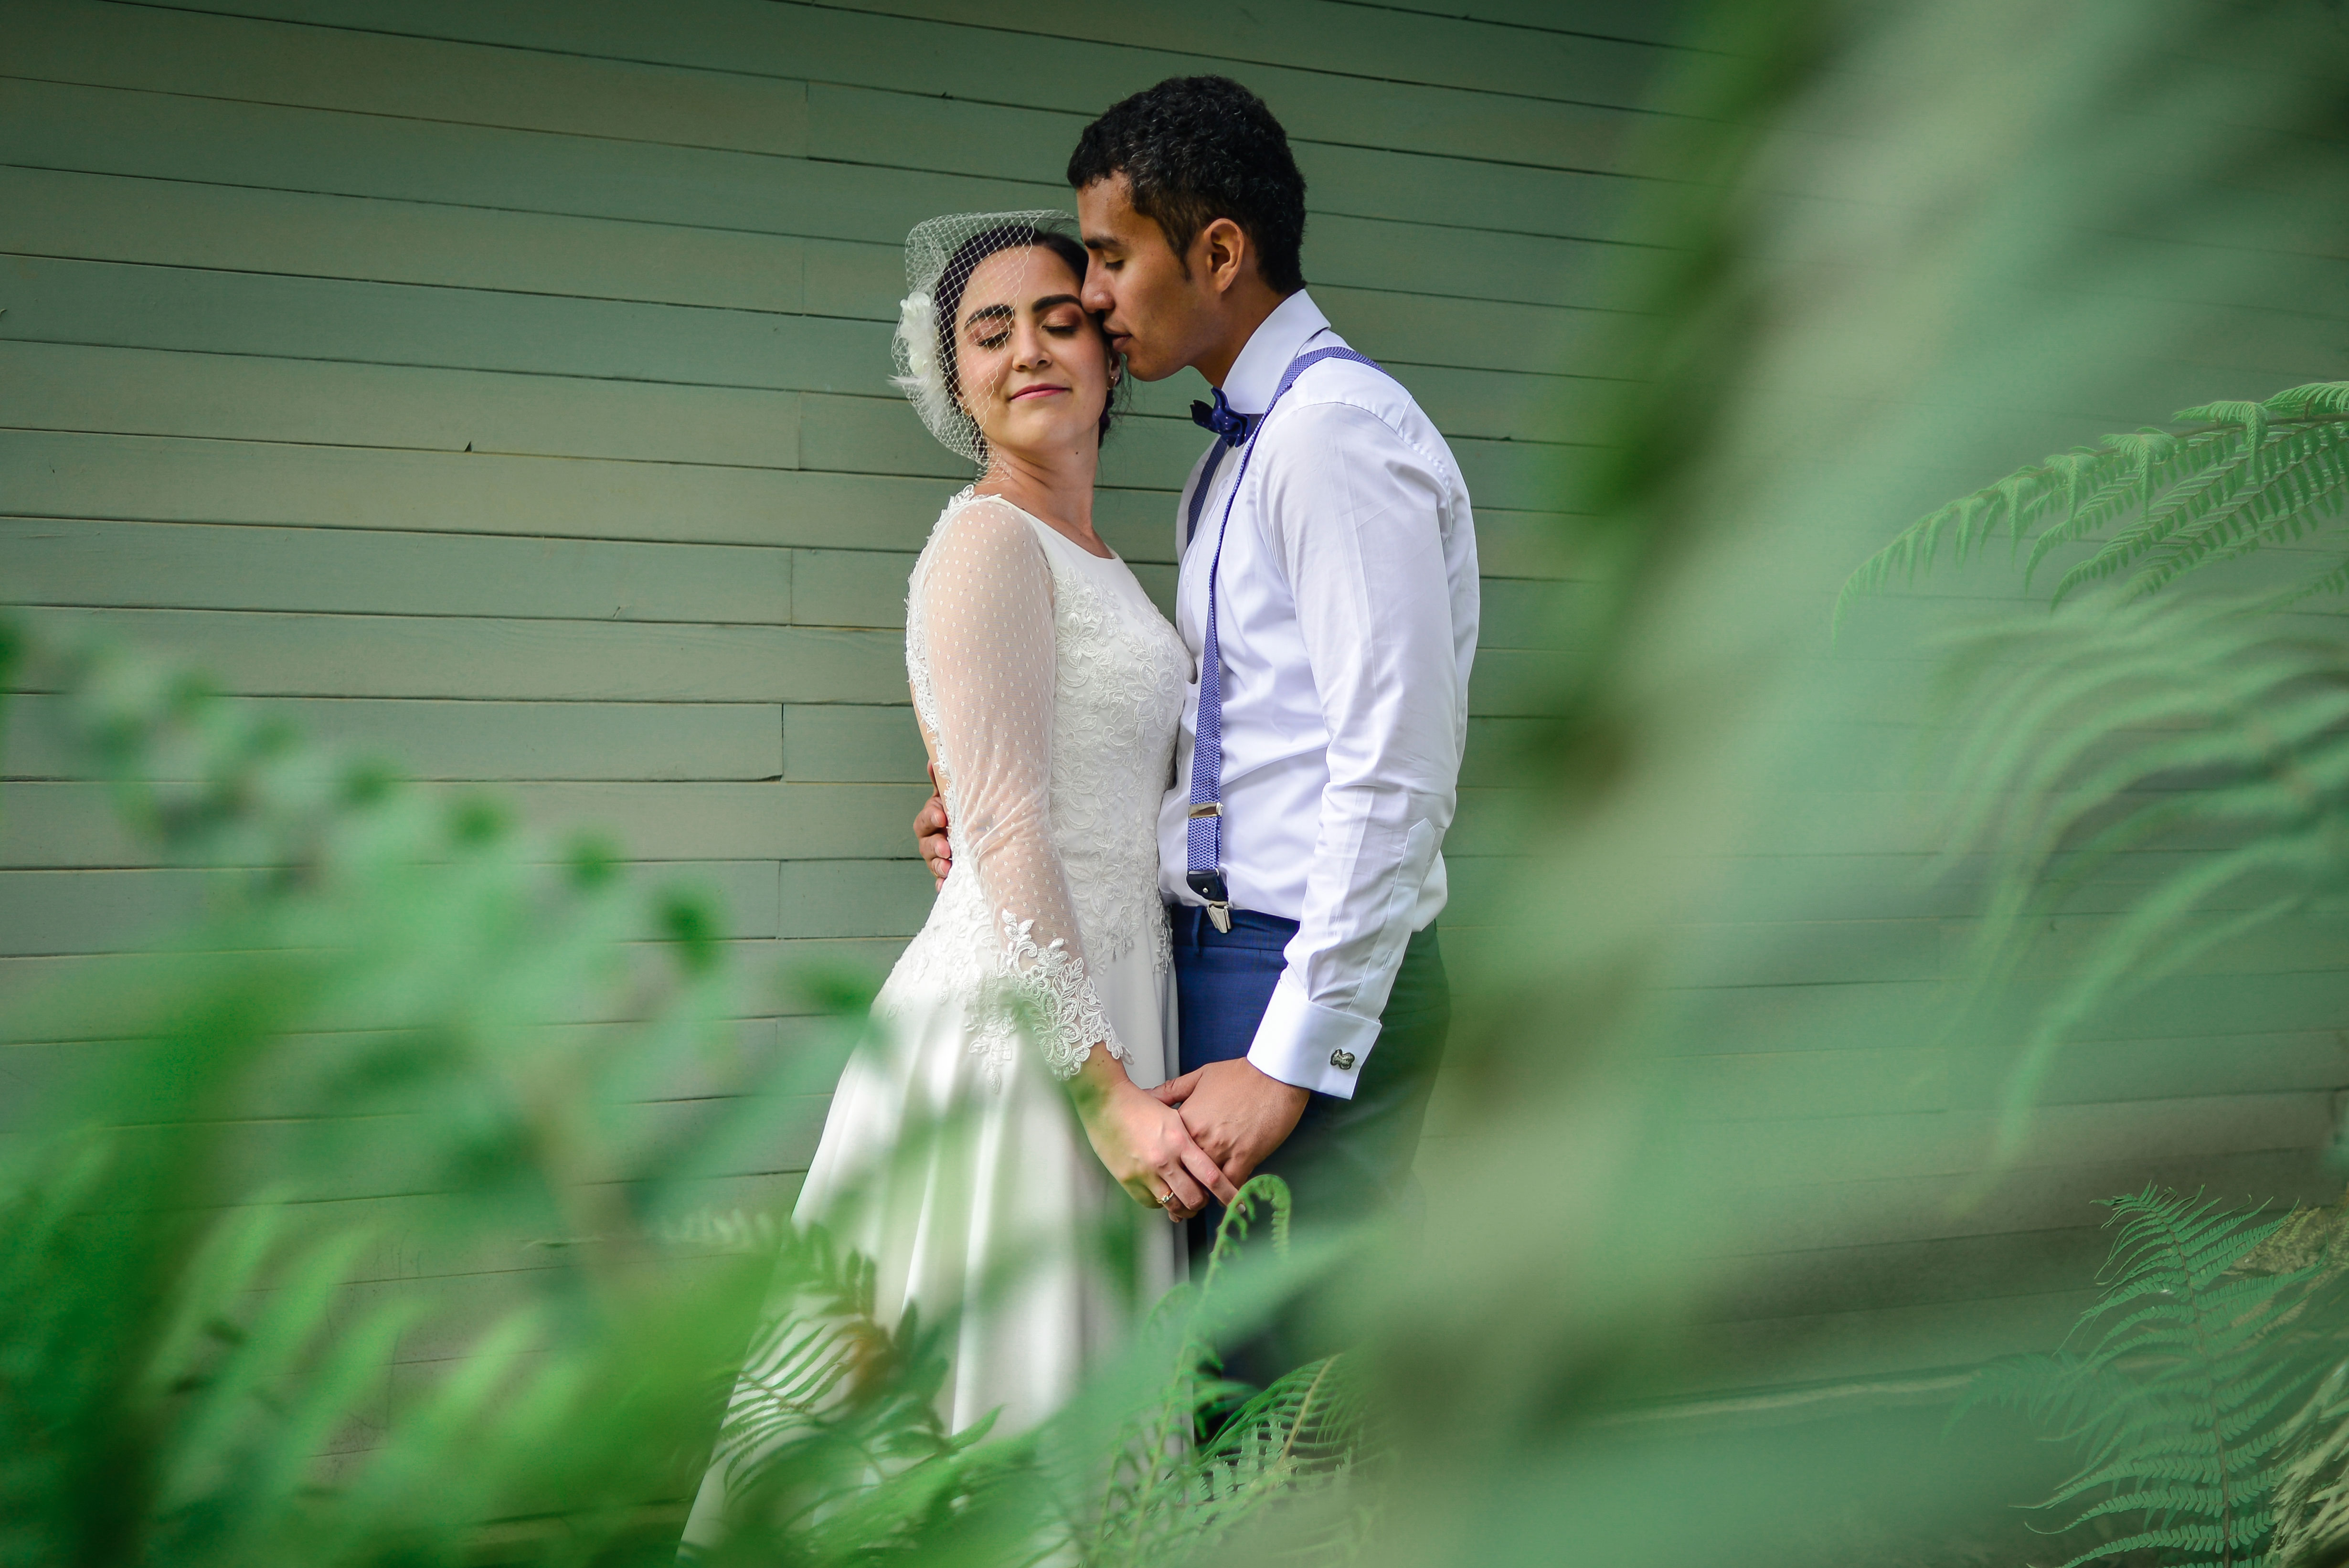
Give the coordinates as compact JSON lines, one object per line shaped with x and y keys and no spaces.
{"x":972,"y":1188}
{"x":970,"y":1184}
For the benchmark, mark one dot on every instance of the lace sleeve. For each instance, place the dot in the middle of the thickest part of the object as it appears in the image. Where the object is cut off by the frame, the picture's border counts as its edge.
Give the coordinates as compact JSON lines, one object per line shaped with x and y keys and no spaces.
{"x":985,"y":603}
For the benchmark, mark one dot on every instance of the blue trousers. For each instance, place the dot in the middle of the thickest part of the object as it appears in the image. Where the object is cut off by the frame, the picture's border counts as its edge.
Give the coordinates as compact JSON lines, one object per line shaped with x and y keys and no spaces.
{"x":1349,"y":1160}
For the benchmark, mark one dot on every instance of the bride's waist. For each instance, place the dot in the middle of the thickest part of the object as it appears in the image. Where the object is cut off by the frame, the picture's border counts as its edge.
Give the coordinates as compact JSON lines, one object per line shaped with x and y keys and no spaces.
{"x":1130,"y":858}
{"x":1120,"y":867}
{"x":1109,"y":909}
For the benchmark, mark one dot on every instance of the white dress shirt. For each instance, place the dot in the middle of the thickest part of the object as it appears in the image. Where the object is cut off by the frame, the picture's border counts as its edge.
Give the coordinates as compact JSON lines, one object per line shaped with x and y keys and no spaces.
{"x":1346,"y":608}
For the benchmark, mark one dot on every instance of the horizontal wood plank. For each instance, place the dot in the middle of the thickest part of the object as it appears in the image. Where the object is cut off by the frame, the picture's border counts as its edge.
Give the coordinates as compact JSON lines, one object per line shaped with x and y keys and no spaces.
{"x":174,"y":565}
{"x":1956,"y":1143}
{"x":155,"y":479}
{"x":118,"y":305}
{"x":856,"y":898}
{"x":64,"y":824}
{"x":151,"y":49}
{"x":1349,"y":41}
{"x":240,"y":396}
{"x":129,"y":216}
{"x":55,"y":913}
{"x":563,"y":660}
{"x":489,"y":741}
{"x":778,"y":980}
{"x":1895,"y":1206}
{"x":847,"y":743}
{"x":1075,"y":70}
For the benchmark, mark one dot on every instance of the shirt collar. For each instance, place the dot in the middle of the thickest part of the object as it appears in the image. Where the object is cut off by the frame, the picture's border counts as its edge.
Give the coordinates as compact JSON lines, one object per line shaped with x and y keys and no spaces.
{"x":1256,"y":374}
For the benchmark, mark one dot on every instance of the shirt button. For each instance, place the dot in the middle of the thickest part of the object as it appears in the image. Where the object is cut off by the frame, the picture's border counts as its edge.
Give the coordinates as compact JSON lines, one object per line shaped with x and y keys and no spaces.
{"x":1342,"y":1060}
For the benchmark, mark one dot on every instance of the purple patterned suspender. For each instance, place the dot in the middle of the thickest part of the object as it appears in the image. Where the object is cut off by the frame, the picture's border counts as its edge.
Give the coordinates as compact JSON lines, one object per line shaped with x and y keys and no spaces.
{"x":1203,"y":835}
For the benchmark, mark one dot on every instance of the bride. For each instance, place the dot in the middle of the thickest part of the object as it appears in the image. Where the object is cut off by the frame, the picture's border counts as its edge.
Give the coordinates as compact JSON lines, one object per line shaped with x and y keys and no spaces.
{"x":1049,"y":689}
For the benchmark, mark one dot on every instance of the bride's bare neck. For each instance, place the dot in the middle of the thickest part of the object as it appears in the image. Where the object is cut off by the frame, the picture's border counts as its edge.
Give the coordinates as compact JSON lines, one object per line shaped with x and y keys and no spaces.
{"x":1056,"y":487}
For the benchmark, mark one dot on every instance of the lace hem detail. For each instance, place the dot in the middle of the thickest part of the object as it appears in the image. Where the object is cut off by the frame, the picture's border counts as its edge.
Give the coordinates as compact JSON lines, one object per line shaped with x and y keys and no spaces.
{"x":1044,"y":987}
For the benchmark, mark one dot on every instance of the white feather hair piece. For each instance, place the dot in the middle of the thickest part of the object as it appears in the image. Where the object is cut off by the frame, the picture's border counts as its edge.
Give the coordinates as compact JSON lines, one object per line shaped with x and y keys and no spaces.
{"x":920,"y":376}
{"x":933,"y":244}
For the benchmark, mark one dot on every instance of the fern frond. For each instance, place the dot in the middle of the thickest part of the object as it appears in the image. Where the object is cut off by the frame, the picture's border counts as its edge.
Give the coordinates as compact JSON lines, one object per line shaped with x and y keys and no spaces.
{"x":2184,"y":1393}
{"x":2197,"y":509}
{"x":2191,"y":1543}
{"x":2306,"y":481}
{"x":2118,"y":487}
{"x":1304,"y":1443}
{"x":2333,"y":580}
{"x":2238,"y":475}
{"x":2158,"y":460}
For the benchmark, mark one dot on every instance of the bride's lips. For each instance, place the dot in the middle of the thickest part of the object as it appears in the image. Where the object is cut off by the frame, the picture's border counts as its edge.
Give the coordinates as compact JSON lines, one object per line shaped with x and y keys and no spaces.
{"x":1036,"y":392}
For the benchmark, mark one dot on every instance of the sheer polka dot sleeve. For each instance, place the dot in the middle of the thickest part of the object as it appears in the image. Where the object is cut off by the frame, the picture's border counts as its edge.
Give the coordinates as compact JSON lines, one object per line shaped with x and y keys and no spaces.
{"x":979,"y":624}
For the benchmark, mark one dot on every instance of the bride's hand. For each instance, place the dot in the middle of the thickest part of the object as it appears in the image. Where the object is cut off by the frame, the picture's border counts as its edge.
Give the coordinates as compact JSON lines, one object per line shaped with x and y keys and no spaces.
{"x":1144,"y":1144}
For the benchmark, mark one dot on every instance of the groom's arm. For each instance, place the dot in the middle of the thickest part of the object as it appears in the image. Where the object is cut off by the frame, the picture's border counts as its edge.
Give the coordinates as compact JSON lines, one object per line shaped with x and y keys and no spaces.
{"x":1358,"y":526}
{"x":1354,"y":513}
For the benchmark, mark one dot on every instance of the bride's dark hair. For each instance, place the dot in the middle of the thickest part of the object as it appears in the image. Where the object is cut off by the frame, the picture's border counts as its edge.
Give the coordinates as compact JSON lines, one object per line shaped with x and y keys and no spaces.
{"x":956,"y":277}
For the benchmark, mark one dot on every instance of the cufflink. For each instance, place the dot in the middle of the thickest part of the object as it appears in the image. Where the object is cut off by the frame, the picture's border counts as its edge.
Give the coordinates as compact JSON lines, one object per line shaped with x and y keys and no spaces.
{"x":1342,"y":1060}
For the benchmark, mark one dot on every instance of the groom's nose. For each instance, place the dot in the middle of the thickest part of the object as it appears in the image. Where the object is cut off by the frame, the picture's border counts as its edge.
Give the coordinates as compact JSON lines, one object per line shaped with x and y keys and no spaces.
{"x":1094,"y":291}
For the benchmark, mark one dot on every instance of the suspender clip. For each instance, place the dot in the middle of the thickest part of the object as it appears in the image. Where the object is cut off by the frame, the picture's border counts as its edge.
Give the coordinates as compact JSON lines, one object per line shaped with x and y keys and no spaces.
{"x":1209,"y":886}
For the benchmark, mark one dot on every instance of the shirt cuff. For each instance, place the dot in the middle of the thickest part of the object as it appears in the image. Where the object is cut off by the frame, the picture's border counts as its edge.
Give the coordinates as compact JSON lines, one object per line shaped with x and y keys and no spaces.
{"x":1309,"y":1046}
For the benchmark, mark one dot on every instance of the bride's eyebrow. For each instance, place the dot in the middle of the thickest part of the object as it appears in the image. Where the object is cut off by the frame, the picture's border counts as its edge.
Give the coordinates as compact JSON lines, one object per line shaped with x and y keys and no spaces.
{"x":1048,"y":301}
{"x":988,"y":313}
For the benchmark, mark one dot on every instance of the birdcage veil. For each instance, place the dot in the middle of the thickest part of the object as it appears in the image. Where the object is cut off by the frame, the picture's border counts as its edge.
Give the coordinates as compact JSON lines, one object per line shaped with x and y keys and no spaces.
{"x":941,"y":253}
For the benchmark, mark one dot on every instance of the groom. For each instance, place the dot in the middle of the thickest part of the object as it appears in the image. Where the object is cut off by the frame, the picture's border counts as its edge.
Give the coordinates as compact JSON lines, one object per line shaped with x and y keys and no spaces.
{"x":1328,"y":591}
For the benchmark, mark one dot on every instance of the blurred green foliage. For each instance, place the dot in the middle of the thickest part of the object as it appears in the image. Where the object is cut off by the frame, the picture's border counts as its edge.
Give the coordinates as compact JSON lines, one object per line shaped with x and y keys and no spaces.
{"x":1879,"y":227}
{"x":207,"y":1360}
{"x":2119,"y":725}
{"x":2110,"y":734}
{"x":194,"y":1340}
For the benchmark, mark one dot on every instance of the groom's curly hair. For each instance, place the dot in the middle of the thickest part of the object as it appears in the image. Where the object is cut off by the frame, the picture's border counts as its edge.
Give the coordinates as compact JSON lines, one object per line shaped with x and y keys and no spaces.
{"x":1196,"y":149}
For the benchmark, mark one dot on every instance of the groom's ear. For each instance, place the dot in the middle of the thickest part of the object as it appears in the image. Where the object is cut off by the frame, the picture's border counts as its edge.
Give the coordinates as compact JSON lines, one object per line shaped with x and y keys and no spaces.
{"x":1222,"y":252}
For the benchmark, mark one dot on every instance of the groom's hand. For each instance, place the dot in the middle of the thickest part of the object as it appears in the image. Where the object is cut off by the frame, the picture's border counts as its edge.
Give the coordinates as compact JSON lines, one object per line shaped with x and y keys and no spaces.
{"x":1236,"y":1114}
{"x":930,"y":833}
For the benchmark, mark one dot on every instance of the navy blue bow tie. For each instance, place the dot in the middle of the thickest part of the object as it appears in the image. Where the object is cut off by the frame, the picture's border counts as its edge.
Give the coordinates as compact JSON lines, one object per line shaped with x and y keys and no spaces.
{"x":1222,"y":419}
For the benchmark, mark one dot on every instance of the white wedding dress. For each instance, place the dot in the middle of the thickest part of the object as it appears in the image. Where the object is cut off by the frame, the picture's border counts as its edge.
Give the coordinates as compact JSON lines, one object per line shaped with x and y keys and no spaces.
{"x":1049,"y":689}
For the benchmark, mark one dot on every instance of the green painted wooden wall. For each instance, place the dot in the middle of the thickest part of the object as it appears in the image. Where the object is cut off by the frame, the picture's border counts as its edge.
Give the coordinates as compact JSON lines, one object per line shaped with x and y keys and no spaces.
{"x":502,"y":383}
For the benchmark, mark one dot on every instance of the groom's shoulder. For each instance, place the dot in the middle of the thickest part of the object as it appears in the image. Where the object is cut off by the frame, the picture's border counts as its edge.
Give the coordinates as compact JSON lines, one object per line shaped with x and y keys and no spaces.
{"x":1370,"y":387}
{"x":1328,"y":390}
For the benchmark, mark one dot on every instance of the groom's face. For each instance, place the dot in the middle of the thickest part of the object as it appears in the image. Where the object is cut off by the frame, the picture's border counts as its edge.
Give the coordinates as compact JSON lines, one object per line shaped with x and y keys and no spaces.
{"x":1157,"y":313}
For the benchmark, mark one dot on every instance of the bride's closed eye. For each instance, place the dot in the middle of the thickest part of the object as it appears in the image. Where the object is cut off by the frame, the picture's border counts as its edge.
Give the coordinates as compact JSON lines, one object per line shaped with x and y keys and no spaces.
{"x":990,"y":326}
{"x":993,"y":331}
